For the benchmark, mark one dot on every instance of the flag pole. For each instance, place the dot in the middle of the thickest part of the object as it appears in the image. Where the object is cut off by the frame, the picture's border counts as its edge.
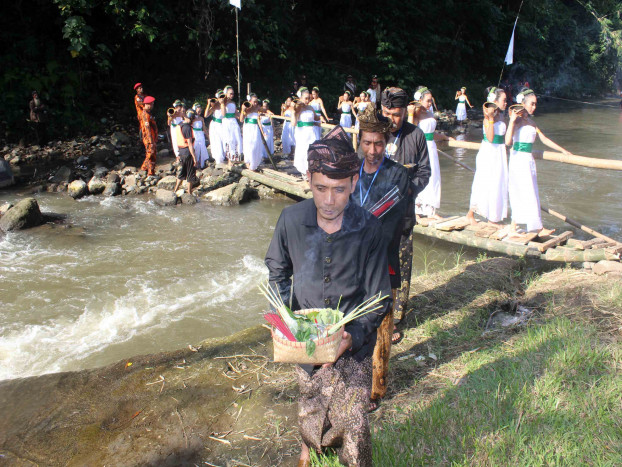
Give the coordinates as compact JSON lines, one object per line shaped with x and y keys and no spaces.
{"x":511,"y":43}
{"x":237,"y":49}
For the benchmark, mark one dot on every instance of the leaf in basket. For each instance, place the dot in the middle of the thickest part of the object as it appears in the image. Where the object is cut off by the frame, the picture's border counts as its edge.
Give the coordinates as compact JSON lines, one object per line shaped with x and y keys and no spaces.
{"x":310,"y":348}
{"x":303,"y":334}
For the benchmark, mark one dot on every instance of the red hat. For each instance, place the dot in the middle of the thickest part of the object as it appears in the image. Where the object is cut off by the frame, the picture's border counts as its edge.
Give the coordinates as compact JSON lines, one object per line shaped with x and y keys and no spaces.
{"x":137,"y":85}
{"x":148,"y":100}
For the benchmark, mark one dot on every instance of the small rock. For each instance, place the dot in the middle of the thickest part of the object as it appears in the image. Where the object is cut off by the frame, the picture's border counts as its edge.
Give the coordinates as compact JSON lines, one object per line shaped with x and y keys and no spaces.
{"x":179,"y":192}
{"x":96,"y":186}
{"x":163,"y":153}
{"x":23,"y":215}
{"x":112,"y":189}
{"x":607,"y":267}
{"x":100,"y":155}
{"x":113,"y":177}
{"x":167,"y":183}
{"x":100,"y":172}
{"x":128,"y":170}
{"x":77,"y":189}
{"x":94,"y":140}
{"x":82,"y":160}
{"x":52,"y":188}
{"x":119,"y":138}
{"x":187,"y":198}
{"x":130,"y":180}
{"x":37,"y":189}
{"x":142,"y":173}
{"x":119,"y":166}
{"x":165,"y":198}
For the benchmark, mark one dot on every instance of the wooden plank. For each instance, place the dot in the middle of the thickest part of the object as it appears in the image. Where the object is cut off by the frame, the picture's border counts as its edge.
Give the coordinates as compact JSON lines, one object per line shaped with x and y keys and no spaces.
{"x":429,"y":221}
{"x":561,"y":238}
{"x":595,"y":241}
{"x":486,"y":232}
{"x":522,"y":238}
{"x":501,"y":233}
{"x":455,"y":224}
{"x":477,"y":227}
{"x":604,"y":245}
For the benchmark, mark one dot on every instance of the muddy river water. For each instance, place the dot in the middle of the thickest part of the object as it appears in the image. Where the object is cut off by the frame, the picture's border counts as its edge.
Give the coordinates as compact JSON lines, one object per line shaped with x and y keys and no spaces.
{"x":130,"y":277}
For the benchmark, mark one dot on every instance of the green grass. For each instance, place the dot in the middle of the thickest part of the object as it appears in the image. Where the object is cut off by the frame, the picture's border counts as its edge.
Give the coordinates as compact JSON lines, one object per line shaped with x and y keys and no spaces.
{"x":549,"y":393}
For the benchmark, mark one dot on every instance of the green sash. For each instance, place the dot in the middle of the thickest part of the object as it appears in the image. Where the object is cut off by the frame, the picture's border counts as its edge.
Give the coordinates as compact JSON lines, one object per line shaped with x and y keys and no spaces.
{"x":217,"y":120}
{"x":250,"y":120}
{"x":268,"y":123}
{"x":197,"y":129}
{"x":299,"y":124}
{"x":228,"y":115}
{"x":498,"y":139}
{"x":346,"y":113}
{"x":522,"y":147}
{"x":429,"y":136}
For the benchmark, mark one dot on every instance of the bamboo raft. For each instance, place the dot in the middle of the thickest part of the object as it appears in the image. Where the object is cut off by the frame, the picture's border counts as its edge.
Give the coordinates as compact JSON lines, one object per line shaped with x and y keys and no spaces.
{"x":483,"y":235}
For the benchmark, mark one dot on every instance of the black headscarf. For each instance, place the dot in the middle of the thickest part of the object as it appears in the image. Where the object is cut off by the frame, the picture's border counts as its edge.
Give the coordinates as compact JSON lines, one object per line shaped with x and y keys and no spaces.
{"x":334,"y":155}
{"x":394,"y":98}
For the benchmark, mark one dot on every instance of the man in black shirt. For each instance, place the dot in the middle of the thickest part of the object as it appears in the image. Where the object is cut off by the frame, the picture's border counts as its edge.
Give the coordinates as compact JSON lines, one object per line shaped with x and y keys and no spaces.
{"x":350,"y":85}
{"x":187,"y":169}
{"x":382,"y":189}
{"x":407,"y":146}
{"x":329,"y":252}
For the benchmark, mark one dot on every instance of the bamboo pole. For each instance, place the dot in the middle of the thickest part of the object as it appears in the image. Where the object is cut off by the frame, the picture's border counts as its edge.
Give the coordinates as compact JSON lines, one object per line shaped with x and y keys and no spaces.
{"x":555,"y":156}
{"x":544,"y":208}
{"x":280,"y":185}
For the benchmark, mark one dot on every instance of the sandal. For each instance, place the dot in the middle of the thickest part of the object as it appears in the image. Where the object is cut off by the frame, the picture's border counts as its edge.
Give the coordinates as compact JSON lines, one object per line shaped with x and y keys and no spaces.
{"x":398,"y":339}
{"x":374,"y":405}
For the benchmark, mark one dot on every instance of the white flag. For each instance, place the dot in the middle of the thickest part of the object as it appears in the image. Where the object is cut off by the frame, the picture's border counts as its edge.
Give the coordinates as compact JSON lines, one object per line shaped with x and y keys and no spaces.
{"x":236,"y":3}
{"x":509,"y":57}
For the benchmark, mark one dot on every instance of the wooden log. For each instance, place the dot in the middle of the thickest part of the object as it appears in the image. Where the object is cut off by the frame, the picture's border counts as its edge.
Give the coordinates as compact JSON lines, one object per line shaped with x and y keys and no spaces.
{"x":468,"y":238}
{"x":566,"y":255}
{"x":555,"y":241}
{"x":554,"y":156}
{"x":290,"y":188}
{"x":595,"y":241}
{"x":605,"y":245}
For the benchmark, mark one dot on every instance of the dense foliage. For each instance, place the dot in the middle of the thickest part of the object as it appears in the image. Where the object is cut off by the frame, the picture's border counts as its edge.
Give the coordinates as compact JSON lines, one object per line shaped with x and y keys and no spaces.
{"x":85,"y":55}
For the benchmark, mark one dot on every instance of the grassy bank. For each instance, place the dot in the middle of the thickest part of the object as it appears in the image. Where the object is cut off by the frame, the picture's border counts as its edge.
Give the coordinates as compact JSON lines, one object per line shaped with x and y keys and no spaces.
{"x":546,"y":393}
{"x":462,"y":390}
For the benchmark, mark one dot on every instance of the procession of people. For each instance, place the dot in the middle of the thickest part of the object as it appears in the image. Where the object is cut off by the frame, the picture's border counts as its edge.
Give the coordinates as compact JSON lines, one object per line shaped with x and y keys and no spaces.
{"x":365,"y":204}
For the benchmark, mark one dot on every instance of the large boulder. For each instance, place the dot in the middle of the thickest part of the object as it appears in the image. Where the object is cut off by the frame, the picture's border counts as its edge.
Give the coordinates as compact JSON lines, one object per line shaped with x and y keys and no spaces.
{"x":130,"y":180}
{"x":23,"y":215}
{"x":77,"y":189}
{"x":112,"y":189}
{"x":214,"y":182}
{"x":113,"y":177}
{"x":96,"y":186}
{"x":187,"y":198}
{"x":607,"y":267}
{"x":167,"y":183}
{"x":221,"y":196}
{"x":6,"y":174}
{"x":100,"y":172}
{"x":232,"y":194}
{"x":165,"y":198}
{"x":163,"y":153}
{"x":119,"y":138}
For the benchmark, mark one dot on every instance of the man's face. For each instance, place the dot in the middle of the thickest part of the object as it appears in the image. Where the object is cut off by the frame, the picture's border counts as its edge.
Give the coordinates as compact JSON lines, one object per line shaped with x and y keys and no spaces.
{"x":396,"y":115}
{"x":139,"y":89}
{"x":374,"y":82}
{"x":331,"y":196}
{"x":148,"y":107}
{"x":373,"y":146}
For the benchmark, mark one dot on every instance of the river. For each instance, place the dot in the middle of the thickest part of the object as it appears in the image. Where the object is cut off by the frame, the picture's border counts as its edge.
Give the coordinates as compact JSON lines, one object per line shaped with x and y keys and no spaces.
{"x":131,"y":278}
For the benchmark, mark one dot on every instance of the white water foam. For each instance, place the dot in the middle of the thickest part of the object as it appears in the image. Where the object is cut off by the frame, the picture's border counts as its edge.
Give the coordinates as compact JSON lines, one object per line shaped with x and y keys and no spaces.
{"x":62,"y":343}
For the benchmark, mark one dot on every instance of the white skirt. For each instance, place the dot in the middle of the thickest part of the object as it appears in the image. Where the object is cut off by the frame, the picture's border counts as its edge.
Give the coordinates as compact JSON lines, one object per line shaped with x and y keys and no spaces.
{"x":461,"y":111}
{"x":489,"y":192}
{"x":268,"y":131}
{"x":231,"y":138}
{"x":287,"y":138}
{"x":199,"y":148}
{"x":174,"y":140}
{"x":305,"y":135}
{"x":215,"y":142}
{"x":429,"y":200}
{"x":523,"y":190}
{"x":253,"y":147}
{"x":346,"y":120}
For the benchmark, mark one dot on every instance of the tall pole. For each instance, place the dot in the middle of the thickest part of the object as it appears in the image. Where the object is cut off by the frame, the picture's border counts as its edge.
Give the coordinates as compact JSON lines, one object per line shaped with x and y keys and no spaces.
{"x":237,"y":49}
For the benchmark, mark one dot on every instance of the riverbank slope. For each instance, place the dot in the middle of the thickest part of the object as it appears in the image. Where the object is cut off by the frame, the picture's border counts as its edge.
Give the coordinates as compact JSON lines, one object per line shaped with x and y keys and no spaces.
{"x":464,"y":387}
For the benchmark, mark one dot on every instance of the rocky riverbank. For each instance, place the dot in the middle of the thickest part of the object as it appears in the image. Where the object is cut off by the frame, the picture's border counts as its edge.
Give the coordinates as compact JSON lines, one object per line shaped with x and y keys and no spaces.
{"x":224,"y":403}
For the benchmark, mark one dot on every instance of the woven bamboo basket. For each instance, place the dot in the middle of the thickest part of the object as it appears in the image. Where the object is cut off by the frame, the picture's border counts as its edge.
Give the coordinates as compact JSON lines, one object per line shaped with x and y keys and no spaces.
{"x":286,"y":351}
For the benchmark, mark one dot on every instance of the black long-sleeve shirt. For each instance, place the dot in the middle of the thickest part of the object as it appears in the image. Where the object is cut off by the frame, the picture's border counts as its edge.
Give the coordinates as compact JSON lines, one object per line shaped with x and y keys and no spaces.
{"x":412,"y":151}
{"x":389,"y":175}
{"x":314,"y":269}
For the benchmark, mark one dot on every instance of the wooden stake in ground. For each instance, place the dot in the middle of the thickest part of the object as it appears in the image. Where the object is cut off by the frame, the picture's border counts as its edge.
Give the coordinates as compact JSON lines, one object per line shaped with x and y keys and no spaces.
{"x":265,"y":145}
